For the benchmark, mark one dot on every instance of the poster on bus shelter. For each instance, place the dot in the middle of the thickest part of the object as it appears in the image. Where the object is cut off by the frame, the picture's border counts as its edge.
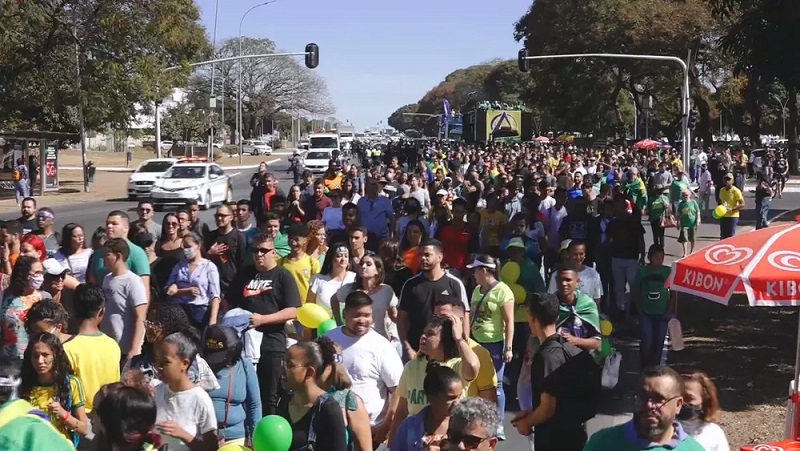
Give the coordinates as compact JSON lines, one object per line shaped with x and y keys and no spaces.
{"x":51,"y":167}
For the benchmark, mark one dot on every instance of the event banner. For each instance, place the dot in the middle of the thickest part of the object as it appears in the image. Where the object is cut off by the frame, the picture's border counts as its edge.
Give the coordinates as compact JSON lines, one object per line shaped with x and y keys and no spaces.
{"x":503,"y":124}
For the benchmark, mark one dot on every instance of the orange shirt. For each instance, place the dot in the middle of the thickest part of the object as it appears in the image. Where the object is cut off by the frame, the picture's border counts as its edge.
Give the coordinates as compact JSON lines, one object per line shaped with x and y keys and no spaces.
{"x":411,"y":259}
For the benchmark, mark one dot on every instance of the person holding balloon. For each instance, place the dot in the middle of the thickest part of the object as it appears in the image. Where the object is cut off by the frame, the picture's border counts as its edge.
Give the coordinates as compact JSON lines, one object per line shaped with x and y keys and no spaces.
{"x":331,"y":278}
{"x":315,"y":417}
{"x":492,"y":307}
{"x":731,"y":203}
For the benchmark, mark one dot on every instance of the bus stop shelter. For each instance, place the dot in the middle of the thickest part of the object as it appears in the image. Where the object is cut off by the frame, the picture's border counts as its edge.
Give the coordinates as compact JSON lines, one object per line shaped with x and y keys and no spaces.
{"x":39,"y":150}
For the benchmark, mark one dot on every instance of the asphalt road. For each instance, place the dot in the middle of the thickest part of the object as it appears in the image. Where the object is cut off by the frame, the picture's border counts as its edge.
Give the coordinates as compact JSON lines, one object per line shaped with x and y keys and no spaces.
{"x":616,"y":404}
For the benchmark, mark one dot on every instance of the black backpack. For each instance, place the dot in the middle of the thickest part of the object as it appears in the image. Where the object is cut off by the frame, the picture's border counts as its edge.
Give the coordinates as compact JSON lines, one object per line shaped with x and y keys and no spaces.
{"x":583,"y":377}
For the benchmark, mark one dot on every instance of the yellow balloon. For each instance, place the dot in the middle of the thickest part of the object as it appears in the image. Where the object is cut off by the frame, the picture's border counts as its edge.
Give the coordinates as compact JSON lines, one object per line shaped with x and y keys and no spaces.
{"x":721,"y":210}
{"x":232,"y":447}
{"x":520,"y":295}
{"x":606,"y":328}
{"x":510,"y":273}
{"x":312,"y":315}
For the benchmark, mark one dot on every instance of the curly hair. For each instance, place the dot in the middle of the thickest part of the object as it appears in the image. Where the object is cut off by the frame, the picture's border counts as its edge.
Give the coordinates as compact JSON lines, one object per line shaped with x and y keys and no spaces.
{"x":20,"y":273}
{"x":61,"y":369}
{"x":48,"y":310}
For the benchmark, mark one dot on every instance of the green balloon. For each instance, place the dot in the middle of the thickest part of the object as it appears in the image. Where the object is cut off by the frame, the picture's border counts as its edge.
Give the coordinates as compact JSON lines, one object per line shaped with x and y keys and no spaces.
{"x":605,"y":347}
{"x":273,"y":433}
{"x":326,"y":327}
{"x":714,"y":214}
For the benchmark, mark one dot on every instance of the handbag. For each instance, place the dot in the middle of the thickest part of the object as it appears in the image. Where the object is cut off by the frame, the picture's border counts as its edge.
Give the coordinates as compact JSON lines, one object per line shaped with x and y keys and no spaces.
{"x":221,"y":439}
{"x":610,"y":373}
{"x":480,"y":303}
{"x":668,"y":221}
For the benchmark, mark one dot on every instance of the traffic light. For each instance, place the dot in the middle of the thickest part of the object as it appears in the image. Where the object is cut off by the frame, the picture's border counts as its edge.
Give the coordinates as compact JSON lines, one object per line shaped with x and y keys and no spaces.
{"x":524,"y":62}
{"x":312,"y":56}
{"x":692,"y":119}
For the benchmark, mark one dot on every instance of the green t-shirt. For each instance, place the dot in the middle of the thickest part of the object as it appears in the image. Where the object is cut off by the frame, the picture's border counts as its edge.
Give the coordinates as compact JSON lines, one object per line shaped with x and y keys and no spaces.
{"x":688,"y":210}
{"x":658,"y":206}
{"x":281,"y":242}
{"x":613,"y":439}
{"x":677,"y":187}
{"x":137,"y":262}
{"x":488,"y":326}
{"x":650,"y":283}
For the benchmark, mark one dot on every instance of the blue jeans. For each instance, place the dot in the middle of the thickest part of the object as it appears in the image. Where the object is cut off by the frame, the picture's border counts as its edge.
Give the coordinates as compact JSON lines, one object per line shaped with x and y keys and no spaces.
{"x":652,"y":332}
{"x":20,"y":190}
{"x":762,"y":208}
{"x":727,"y":227}
{"x":497,"y":350}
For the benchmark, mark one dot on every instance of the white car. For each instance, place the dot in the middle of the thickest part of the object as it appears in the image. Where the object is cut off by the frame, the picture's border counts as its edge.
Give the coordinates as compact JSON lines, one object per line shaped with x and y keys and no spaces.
{"x":141,"y":181}
{"x":317,"y":161}
{"x":192,"y":179}
{"x":260,"y":148}
{"x":166,"y":145}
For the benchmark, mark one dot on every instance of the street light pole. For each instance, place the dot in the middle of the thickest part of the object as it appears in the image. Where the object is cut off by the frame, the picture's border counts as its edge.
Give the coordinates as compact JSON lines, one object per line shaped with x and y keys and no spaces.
{"x":212,"y":101}
{"x":674,"y":59}
{"x":783,"y":113}
{"x":239,"y":108}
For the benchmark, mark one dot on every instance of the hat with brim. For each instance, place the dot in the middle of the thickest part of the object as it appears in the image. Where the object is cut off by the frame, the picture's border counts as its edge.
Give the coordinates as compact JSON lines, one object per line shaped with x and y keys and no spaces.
{"x":218,"y":341}
{"x":515,"y":243}
{"x":54,"y":267}
{"x":479,"y":264}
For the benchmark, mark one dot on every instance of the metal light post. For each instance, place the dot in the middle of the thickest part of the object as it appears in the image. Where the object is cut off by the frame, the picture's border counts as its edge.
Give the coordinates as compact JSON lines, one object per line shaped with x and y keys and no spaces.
{"x":635,"y":117}
{"x":783,"y":113}
{"x":212,"y":101}
{"x":523,"y":56}
{"x":239,"y":108}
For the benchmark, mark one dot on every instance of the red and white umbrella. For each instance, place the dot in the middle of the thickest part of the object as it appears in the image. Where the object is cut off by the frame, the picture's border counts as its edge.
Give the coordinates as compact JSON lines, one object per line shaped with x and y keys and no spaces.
{"x":646,"y":144}
{"x":763,"y":264}
{"x":542,"y":139}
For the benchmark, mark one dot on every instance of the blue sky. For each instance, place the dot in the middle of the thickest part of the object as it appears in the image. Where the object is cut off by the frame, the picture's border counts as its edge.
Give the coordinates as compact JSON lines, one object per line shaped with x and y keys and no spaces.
{"x":378,"y":55}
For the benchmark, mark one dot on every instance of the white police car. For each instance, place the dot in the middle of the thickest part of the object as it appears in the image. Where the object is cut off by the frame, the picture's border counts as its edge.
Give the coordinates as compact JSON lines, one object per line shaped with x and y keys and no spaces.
{"x":192,"y":178}
{"x":141,"y":181}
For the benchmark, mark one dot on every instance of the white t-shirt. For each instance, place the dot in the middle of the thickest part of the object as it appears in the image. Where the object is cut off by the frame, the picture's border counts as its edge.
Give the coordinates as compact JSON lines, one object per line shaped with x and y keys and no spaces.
{"x":382,"y":300}
{"x":332,"y":217}
{"x":709,"y":435}
{"x":588,"y":283}
{"x":373,"y":365}
{"x":324,"y":287}
{"x":191,"y":409}
{"x":76,"y":263}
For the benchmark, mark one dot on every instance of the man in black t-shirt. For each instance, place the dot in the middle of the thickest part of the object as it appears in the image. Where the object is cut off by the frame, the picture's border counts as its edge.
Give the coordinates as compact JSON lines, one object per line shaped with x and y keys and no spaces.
{"x":270,"y":293}
{"x":627,"y":251}
{"x":225,"y":246}
{"x":420,"y":293}
{"x":28,"y":218}
{"x":558,"y":371}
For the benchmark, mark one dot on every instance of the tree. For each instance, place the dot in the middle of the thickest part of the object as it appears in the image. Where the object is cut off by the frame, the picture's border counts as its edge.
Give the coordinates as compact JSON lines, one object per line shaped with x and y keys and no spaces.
{"x":183,"y":122}
{"x":270,"y":85}
{"x":400,"y":121}
{"x":121,"y":47}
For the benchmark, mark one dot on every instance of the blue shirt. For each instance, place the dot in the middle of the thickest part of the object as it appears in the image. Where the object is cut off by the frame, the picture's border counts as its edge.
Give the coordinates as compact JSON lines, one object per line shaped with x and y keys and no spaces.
{"x":205,"y":277}
{"x":409,"y":434}
{"x":375,"y":214}
{"x":244,"y":408}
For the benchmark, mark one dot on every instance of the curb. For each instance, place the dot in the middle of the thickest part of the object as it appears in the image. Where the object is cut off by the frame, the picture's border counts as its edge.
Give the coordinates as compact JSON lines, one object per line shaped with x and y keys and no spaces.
{"x":119,"y":169}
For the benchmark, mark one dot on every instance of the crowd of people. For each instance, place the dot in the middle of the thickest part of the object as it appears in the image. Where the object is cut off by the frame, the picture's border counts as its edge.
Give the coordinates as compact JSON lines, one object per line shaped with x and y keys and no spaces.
{"x":140,"y":335}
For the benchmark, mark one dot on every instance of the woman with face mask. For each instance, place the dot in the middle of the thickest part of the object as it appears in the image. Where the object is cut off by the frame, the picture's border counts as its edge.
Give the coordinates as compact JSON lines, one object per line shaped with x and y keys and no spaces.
{"x":700,"y":412}
{"x":194,"y":284}
{"x":23,"y":292}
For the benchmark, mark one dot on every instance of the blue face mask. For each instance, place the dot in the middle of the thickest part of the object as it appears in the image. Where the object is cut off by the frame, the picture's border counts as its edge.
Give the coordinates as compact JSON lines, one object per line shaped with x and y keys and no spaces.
{"x":189,"y":253}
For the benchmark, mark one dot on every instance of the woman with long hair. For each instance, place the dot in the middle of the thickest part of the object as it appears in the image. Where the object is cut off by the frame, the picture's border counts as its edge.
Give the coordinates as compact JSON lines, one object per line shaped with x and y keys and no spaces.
{"x":349,"y":193}
{"x":428,"y":428}
{"x":316,"y":417}
{"x":24,"y":290}
{"x":49,"y":384}
{"x":492,"y":307}
{"x":73,"y":253}
{"x":316,"y":245}
{"x":700,"y":412}
{"x":169,"y":244}
{"x":384,"y":302}
{"x":441,"y":342}
{"x":414,"y":235}
{"x":397,"y":273}
{"x":124,"y":420}
{"x":332,"y":276}
{"x":335,"y":380}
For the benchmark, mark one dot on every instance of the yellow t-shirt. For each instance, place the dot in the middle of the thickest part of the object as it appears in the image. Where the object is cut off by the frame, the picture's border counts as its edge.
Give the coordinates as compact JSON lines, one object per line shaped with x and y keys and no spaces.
{"x":731,"y":198}
{"x":95,"y":360}
{"x":411,"y":382}
{"x":487,"y":377}
{"x":41,"y":396}
{"x":302,"y":270}
{"x":334,"y":183}
{"x":491,"y":224}
{"x":488,"y":326}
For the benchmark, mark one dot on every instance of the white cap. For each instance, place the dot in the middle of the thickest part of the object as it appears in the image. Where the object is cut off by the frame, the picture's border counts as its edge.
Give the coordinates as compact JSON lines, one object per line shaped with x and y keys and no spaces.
{"x":442,"y":192}
{"x":54,"y":267}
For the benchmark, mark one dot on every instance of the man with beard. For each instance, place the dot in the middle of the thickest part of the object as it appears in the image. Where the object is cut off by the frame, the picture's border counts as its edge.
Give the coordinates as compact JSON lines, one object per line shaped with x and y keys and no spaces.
{"x":654,"y":426}
{"x":371,"y":360}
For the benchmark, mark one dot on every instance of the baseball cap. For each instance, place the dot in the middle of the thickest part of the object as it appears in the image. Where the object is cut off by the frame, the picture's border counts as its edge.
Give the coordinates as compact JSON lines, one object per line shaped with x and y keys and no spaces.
{"x":564,"y":245}
{"x":441,"y":192}
{"x":220,"y":346}
{"x":54,"y":268}
{"x":515,"y":242}
{"x":481,"y":261}
{"x":728,"y":176}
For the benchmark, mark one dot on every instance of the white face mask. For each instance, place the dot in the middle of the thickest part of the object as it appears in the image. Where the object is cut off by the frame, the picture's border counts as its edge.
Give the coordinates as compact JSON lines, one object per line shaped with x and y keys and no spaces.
{"x":35,"y":282}
{"x":189,"y":253}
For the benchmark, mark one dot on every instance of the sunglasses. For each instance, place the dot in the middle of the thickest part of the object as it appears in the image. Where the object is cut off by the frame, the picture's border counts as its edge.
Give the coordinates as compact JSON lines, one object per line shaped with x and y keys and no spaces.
{"x":263,"y":250}
{"x":469,"y":441}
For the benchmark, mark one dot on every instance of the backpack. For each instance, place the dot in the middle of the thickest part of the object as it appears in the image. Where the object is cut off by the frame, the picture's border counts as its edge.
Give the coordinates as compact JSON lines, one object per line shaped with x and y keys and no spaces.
{"x":584,"y":379}
{"x":16,"y":175}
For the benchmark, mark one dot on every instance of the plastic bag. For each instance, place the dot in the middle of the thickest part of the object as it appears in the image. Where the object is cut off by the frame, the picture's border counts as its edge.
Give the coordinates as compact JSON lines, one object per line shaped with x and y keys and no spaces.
{"x":610,"y":373}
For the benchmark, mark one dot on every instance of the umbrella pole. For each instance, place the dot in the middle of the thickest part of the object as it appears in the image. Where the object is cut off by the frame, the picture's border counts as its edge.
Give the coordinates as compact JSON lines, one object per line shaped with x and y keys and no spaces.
{"x":794,"y":397}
